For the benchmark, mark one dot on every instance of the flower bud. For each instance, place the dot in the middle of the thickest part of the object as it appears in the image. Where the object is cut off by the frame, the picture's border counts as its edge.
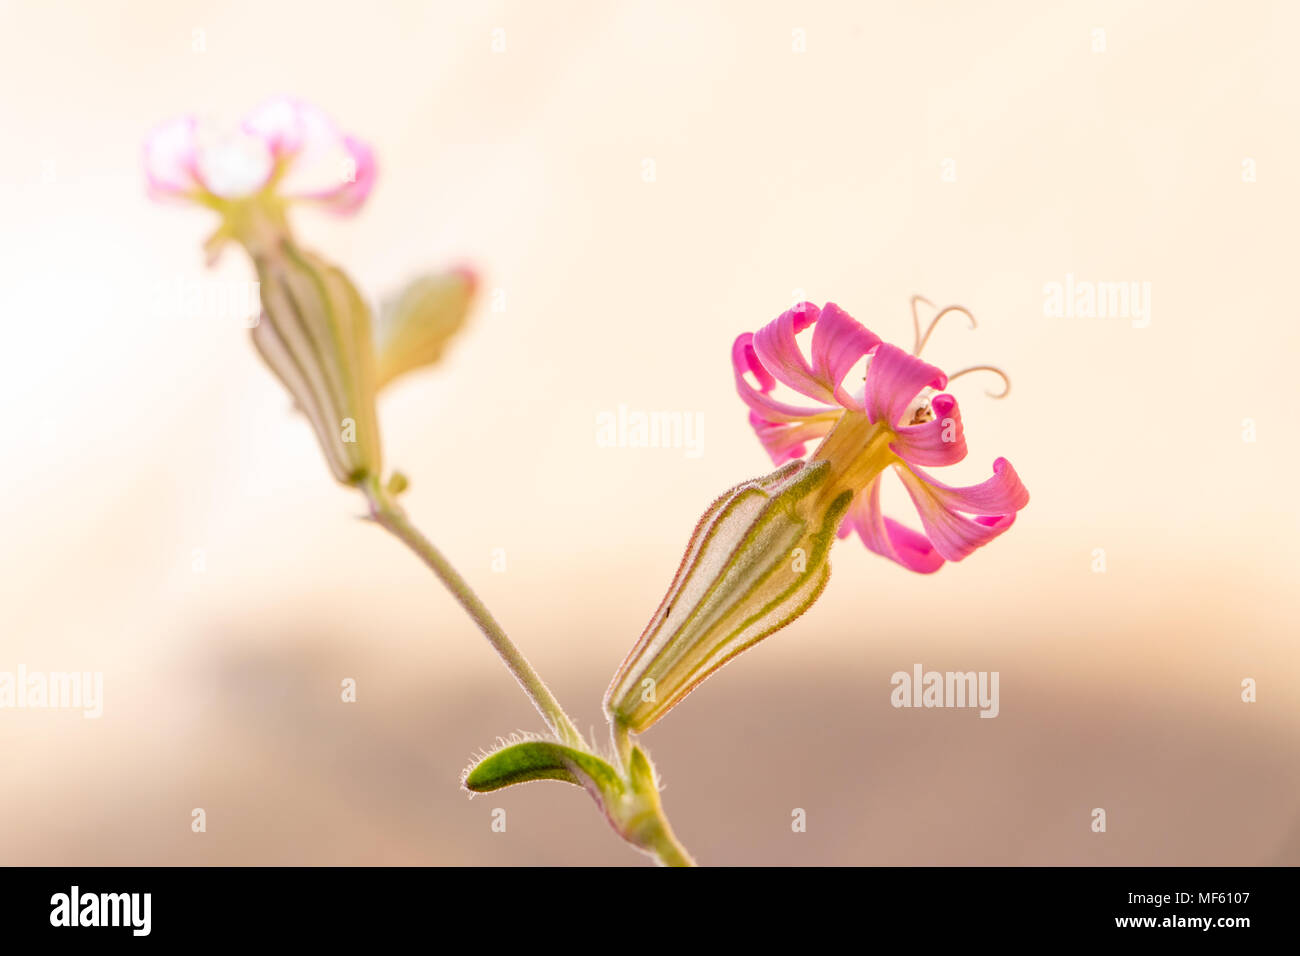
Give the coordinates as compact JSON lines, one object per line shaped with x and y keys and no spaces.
{"x":415,"y":326}
{"x":757,"y":560}
{"x":315,"y":335}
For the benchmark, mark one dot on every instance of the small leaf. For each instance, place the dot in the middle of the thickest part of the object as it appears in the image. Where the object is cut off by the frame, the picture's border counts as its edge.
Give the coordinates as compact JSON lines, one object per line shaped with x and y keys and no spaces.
{"x":542,"y":760}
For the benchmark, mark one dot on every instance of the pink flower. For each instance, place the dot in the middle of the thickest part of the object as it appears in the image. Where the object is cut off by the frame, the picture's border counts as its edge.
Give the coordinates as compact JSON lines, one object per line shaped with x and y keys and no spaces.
{"x":284,"y":148}
{"x":899,"y":418}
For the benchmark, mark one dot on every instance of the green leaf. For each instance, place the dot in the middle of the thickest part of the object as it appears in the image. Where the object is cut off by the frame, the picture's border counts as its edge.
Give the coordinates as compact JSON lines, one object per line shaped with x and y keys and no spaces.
{"x":542,"y":760}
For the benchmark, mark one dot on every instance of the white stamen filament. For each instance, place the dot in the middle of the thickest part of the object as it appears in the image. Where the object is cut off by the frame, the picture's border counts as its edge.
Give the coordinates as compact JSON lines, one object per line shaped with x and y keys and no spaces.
{"x":1006,"y":381}
{"x":916,"y":321}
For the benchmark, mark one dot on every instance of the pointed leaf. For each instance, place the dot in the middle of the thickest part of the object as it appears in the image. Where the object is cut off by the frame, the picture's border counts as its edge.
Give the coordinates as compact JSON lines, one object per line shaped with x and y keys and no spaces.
{"x":541,"y":760}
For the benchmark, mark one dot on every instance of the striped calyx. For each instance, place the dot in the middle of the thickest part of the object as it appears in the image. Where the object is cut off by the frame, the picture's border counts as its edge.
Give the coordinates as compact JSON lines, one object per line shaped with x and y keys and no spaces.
{"x":757,"y":559}
{"x":315,"y":335}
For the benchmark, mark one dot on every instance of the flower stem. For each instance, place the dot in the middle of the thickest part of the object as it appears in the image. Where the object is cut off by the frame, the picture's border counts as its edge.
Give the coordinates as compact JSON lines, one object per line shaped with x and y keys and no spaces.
{"x":669,"y":850}
{"x":618,"y":734}
{"x":390,"y":515}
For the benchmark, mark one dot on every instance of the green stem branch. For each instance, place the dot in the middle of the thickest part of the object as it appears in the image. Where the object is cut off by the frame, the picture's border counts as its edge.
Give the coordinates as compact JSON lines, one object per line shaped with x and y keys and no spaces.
{"x":389,"y":514}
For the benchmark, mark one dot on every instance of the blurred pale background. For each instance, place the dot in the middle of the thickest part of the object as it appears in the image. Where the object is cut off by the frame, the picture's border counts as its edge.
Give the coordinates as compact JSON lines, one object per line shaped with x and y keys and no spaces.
{"x":138,"y":435}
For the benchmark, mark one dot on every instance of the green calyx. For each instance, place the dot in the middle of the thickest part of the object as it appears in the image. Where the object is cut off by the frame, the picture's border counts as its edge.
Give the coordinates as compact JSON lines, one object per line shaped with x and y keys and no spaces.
{"x":758,"y":559}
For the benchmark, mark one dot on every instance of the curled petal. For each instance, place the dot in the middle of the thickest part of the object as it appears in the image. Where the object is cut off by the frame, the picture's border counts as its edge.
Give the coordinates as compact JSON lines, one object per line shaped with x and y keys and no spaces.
{"x":285,"y":125}
{"x":356,"y":179}
{"x":886,"y":537}
{"x":171,"y":159}
{"x":785,"y":441}
{"x":894,"y":378}
{"x":778,"y":349}
{"x":317,"y":162}
{"x":744,"y":359}
{"x":939,"y":441}
{"x":839,"y":341}
{"x":993,"y":502}
{"x":1003,"y":493}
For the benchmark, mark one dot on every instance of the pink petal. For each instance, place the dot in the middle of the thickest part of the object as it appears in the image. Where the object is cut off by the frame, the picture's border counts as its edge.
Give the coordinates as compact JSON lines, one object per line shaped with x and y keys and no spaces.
{"x":323,"y":165}
{"x":886,"y":537}
{"x":939,"y":441}
{"x":349,"y":195}
{"x":894,"y":378}
{"x":785,"y":441}
{"x":1003,"y":493}
{"x":778,"y":350}
{"x":282,"y":123}
{"x":839,"y":341}
{"x":744,"y":359}
{"x":994,"y":502}
{"x":171,"y":158}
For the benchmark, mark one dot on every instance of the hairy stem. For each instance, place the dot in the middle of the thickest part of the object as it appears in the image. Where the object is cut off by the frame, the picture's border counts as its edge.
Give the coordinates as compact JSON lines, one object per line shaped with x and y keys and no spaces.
{"x":651,"y":831}
{"x":390,"y":515}
{"x":670,"y":851}
{"x":618,"y":735}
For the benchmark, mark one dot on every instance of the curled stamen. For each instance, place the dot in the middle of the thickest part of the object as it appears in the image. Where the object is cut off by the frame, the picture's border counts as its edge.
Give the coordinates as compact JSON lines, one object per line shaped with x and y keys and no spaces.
{"x":1006,"y":381}
{"x":916,"y":322}
{"x":922,"y":339}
